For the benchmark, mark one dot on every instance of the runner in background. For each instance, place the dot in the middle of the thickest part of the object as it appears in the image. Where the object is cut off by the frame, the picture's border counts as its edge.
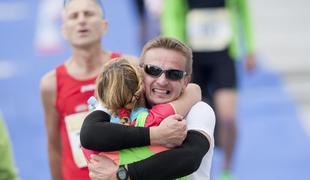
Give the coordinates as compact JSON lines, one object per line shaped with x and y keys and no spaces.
{"x":219,"y":32}
{"x":7,"y":166}
{"x":66,"y":89}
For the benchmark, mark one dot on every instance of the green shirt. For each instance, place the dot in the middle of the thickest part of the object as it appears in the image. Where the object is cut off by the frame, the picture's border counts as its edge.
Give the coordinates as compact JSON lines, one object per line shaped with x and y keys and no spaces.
{"x":173,"y":23}
{"x":7,"y":168}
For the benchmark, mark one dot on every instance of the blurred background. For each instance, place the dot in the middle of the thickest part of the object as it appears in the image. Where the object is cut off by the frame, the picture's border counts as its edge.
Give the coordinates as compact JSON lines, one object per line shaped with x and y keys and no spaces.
{"x":273,"y":109}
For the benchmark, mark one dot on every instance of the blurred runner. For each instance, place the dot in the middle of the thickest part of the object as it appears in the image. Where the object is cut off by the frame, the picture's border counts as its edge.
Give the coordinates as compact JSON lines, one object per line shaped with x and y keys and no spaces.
{"x":7,"y":166}
{"x":66,"y":89}
{"x":212,"y":28}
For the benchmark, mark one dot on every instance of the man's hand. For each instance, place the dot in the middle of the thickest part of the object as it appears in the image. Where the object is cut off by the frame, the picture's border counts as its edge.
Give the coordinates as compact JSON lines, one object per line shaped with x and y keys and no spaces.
{"x":250,"y":62}
{"x":170,"y":133}
{"x":102,"y":168}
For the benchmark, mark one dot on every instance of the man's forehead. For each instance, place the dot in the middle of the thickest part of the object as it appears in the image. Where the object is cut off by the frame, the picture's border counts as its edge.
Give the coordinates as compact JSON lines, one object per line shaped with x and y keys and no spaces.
{"x":68,"y":2}
{"x":166,"y":58}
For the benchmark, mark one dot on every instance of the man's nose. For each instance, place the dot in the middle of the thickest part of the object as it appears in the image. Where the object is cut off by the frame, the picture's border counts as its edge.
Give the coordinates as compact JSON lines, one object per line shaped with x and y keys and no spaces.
{"x":81,"y":19}
{"x":162,"y":79}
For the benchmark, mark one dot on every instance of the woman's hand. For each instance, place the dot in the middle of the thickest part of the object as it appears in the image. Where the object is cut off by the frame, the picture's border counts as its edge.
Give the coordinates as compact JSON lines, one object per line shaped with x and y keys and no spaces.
{"x":170,"y":133}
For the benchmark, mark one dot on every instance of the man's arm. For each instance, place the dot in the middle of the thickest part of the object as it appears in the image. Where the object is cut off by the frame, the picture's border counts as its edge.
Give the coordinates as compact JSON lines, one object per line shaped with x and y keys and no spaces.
{"x":97,"y":133}
{"x":48,"y":97}
{"x":206,"y":125}
{"x":187,"y":157}
{"x":170,"y":164}
{"x":174,"y":163}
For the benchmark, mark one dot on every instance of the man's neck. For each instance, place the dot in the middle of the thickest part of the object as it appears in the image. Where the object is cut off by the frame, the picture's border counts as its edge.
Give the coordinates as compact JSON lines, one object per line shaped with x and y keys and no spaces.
{"x":87,"y":57}
{"x":86,"y":62}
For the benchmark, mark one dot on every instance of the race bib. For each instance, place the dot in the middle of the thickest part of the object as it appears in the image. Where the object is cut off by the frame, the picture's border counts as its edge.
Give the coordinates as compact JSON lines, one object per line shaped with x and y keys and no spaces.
{"x":73,"y":124}
{"x":208,"y":29}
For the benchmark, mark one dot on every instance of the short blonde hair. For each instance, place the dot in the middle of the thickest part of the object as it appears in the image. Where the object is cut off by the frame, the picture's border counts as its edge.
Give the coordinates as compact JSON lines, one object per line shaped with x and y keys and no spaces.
{"x":171,"y":44}
{"x":97,"y":2}
{"x":120,"y":85}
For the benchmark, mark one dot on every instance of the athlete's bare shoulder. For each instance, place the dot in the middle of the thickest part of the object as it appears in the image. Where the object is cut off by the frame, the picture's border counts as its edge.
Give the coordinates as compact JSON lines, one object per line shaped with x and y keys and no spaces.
{"x":48,"y":82}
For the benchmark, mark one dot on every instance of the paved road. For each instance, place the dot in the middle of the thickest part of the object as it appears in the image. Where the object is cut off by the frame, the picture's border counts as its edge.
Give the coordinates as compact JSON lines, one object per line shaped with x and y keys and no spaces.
{"x":282,"y":37}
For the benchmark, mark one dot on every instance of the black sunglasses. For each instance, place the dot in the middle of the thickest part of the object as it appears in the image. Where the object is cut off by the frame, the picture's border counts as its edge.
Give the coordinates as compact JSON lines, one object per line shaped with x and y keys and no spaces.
{"x":171,"y":74}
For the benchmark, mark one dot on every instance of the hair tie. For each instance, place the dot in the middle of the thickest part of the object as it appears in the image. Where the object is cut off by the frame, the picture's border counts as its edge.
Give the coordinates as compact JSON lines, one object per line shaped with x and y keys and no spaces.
{"x":124,"y":115}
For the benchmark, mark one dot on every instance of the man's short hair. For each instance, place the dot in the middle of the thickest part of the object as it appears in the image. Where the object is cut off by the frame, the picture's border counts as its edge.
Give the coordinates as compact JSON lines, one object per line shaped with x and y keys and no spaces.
{"x":170,"y":44}
{"x":96,"y":1}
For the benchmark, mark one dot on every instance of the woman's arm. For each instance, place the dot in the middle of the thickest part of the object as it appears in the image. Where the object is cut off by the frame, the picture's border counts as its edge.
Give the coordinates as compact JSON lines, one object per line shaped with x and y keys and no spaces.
{"x":169,"y":164}
{"x":97,"y":133}
{"x":190,"y":96}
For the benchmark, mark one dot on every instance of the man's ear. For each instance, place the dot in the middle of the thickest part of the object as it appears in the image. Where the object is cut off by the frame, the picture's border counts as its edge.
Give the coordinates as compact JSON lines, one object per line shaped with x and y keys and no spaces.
{"x":188,"y":79}
{"x":105,"y":26}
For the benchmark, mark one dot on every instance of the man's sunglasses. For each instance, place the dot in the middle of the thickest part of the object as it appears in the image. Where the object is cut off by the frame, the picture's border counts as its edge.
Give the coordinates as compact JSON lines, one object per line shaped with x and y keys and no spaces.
{"x":171,"y":74}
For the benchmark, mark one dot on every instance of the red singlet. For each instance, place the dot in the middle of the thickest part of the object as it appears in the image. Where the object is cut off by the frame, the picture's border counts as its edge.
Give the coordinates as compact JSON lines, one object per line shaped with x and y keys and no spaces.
{"x":71,"y":104}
